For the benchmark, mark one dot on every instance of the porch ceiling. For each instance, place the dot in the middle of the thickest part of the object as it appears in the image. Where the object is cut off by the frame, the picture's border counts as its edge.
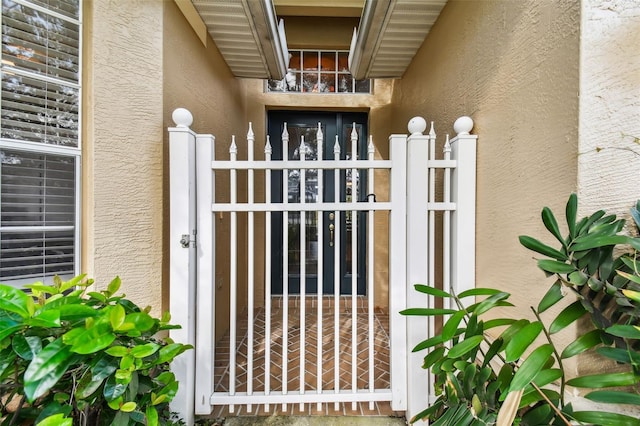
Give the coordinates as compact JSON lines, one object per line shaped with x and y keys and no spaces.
{"x":389,"y":32}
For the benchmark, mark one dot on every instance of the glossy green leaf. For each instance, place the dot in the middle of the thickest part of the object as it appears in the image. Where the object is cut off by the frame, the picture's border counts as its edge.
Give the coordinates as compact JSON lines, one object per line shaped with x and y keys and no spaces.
{"x":582,"y":343}
{"x":522,"y":340}
{"x":555,"y":267}
{"x":128,"y":407}
{"x":114,"y":286}
{"x":169,"y":352}
{"x":530,"y":367}
{"x":634,"y":295}
{"x":605,"y":419}
{"x":73,"y":312}
{"x":121,"y":419}
{"x":47,"y":318}
{"x":490,"y":302}
{"x":8,"y":327}
{"x":428,"y":311}
{"x":614,"y":397}
{"x":41,"y":288}
{"x":451,"y":326}
{"x":117,"y":351}
{"x":98,"y":296}
{"x":432,"y":357}
{"x":113,"y":389}
{"x":626,"y":331}
{"x":531,"y":396}
{"x":465,"y":346}
{"x":594,"y":241}
{"x":103,"y":366}
{"x":551,"y":224}
{"x":77,"y":281}
{"x":142,"y":321}
{"x":493,"y":350}
{"x":605,"y":380}
{"x":537,"y":246}
{"x":152,"y":416}
{"x":46,"y":368}
{"x":90,"y":340}
{"x":547,"y":376}
{"x":513,"y":329}
{"x":568,"y":315}
{"x":571,"y":211}
{"x":431,"y":290}
{"x":14,"y":300}
{"x":126,"y":362}
{"x":87,"y":386}
{"x":26,"y":347}
{"x":551,"y":297}
{"x":116,"y":316}
{"x":620,"y":355}
{"x":6,"y":360}
{"x":478,"y":291}
{"x":56,"y":420}
{"x":498,"y":322}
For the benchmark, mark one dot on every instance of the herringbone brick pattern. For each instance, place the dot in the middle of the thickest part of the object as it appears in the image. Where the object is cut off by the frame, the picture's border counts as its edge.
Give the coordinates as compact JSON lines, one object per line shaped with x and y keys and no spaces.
{"x":307,"y":376}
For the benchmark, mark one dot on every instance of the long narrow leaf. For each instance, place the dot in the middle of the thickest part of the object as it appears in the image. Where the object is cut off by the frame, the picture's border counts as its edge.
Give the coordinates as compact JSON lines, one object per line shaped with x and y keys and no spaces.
{"x":605,"y":419}
{"x":605,"y":380}
{"x":591,"y":242}
{"x":551,"y":224}
{"x":568,"y":315}
{"x":522,"y":340}
{"x":428,"y":311}
{"x":555,"y":267}
{"x":539,"y":247}
{"x":431,"y":290}
{"x":451,"y":326}
{"x":625,"y":331}
{"x":531,"y":366}
{"x":465,"y":346}
{"x":570,"y":214}
{"x":614,"y":397}
{"x":490,"y":302}
{"x":553,"y":296}
{"x":582,"y":343}
{"x":620,"y":355}
{"x":479,"y":291}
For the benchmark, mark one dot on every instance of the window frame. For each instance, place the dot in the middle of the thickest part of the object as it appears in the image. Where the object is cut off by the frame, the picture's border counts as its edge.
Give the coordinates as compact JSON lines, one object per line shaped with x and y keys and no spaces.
{"x":74,"y":152}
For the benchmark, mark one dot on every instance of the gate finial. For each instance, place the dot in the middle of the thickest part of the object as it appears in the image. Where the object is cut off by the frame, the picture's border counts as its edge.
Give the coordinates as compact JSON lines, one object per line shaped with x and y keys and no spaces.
{"x":417,"y":125}
{"x":182,"y":117}
{"x":463,"y":125}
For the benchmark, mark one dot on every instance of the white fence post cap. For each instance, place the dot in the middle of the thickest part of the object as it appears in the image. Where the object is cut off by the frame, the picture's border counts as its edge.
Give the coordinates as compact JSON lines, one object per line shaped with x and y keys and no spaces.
{"x":182,"y":117}
{"x":417,"y":125}
{"x":463,"y":125}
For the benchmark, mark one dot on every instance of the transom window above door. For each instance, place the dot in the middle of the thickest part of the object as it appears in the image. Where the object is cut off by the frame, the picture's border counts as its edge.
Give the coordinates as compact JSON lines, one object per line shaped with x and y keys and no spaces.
{"x":313,"y":71}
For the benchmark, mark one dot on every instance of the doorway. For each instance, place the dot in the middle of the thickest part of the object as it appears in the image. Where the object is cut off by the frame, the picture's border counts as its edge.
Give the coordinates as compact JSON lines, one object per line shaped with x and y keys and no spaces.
{"x":304,"y":124}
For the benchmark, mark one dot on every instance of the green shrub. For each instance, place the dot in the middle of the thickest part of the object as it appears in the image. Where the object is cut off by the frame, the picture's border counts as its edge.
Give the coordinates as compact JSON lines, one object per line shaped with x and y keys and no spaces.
{"x":72,"y":357}
{"x":515,"y":379}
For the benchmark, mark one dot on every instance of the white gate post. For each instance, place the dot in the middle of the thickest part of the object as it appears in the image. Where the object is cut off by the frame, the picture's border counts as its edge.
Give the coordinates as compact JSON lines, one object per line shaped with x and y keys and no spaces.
{"x":398,"y":271}
{"x":182,"y":283}
{"x":205,"y":282}
{"x":463,"y":232}
{"x":418,"y":387}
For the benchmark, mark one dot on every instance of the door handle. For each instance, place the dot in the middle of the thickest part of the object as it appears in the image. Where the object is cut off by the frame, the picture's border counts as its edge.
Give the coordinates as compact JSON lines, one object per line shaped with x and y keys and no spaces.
{"x":331,"y":229}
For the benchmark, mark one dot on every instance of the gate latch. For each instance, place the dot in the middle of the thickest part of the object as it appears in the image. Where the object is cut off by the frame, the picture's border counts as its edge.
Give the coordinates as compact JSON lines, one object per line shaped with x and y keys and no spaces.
{"x":184,"y":241}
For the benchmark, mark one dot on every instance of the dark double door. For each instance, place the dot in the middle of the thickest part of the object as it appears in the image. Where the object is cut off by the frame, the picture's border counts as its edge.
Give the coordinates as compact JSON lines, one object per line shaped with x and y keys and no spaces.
{"x":305,"y":124}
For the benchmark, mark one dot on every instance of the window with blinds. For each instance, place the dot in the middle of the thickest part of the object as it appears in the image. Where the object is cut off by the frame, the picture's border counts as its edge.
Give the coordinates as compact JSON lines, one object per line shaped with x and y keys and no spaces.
{"x":39,"y":139}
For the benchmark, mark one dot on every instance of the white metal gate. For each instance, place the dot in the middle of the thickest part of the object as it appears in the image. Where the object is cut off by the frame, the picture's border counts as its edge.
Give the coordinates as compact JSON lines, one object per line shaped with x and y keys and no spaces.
{"x":411,"y":206}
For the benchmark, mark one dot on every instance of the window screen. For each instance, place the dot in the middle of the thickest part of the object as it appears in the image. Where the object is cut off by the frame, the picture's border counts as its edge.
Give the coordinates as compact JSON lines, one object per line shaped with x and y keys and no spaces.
{"x":39,"y":139}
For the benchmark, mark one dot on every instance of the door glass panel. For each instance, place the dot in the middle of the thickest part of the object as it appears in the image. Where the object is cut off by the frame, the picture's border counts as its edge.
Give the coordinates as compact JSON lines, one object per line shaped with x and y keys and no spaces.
{"x":295,"y":192}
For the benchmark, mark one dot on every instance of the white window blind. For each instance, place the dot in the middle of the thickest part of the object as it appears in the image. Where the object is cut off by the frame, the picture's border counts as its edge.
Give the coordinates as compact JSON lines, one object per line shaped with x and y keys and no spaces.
{"x":39,"y":139}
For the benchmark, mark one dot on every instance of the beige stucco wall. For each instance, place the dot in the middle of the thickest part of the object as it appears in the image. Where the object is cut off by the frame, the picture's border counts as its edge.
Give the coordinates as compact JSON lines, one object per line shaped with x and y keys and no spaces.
{"x":609,"y":159}
{"x":513,"y":67}
{"x":197,"y":78}
{"x":123,"y":147}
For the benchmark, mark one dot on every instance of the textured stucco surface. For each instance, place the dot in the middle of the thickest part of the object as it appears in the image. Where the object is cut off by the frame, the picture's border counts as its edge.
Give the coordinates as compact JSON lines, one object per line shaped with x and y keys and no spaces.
{"x":609,"y":161}
{"x":513,"y":67}
{"x":197,"y":78}
{"x":122,"y":147}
